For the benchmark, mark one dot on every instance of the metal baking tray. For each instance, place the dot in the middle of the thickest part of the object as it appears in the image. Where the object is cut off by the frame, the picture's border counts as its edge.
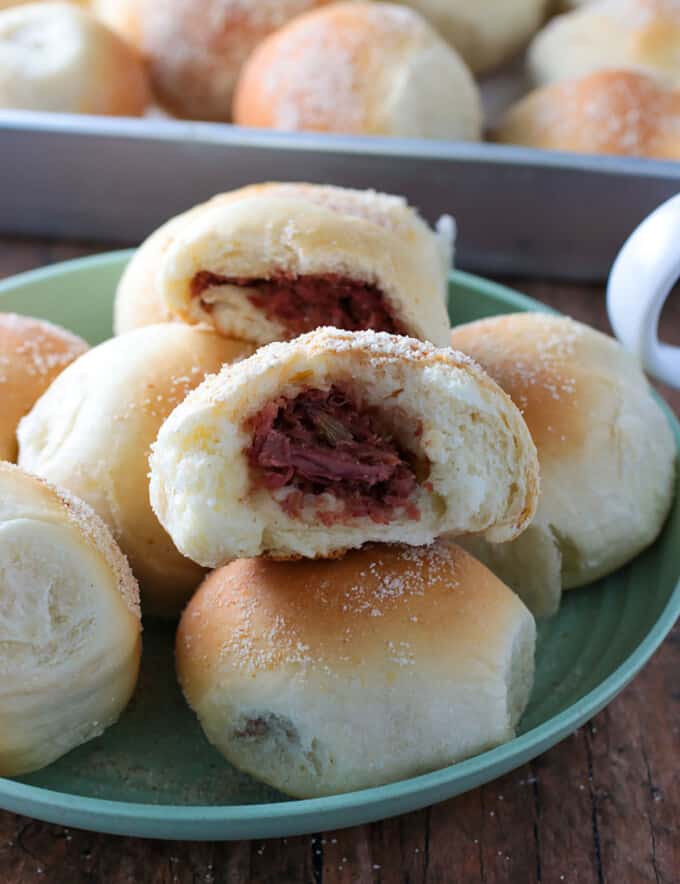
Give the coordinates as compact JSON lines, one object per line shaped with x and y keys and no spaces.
{"x":519,"y":211}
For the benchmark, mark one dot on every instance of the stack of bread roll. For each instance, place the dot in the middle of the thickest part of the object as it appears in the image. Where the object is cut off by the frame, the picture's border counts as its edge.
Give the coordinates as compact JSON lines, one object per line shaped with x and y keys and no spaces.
{"x":285,"y":446}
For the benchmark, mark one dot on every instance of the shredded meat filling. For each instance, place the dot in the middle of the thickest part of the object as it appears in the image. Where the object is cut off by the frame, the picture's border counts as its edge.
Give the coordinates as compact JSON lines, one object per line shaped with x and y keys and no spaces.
{"x":303,"y":303}
{"x":320,"y":442}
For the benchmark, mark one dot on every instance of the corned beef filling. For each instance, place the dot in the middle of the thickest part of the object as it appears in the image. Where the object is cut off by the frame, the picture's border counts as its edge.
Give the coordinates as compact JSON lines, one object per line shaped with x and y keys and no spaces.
{"x":303,"y":303}
{"x":321,"y":442}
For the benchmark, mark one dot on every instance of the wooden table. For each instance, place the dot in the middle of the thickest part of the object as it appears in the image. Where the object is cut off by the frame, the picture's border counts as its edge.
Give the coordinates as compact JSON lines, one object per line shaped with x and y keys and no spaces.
{"x":603,"y":806}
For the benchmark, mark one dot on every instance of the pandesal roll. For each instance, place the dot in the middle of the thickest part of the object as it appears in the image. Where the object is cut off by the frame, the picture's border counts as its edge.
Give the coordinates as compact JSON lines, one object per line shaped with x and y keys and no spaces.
{"x":32,"y":353}
{"x":359,"y":69}
{"x":335,"y":439}
{"x":91,"y":432}
{"x":69,"y":617}
{"x":621,"y":112}
{"x":487,"y":33}
{"x":330,"y":676}
{"x":271,"y":261}
{"x":195,"y":51}
{"x":638,"y":34}
{"x":57,"y":57}
{"x":605,"y":448}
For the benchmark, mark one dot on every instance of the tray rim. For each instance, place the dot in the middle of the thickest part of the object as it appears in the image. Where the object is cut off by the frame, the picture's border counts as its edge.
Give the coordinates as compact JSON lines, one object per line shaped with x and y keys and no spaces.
{"x":228,"y":135}
{"x":302,"y":816}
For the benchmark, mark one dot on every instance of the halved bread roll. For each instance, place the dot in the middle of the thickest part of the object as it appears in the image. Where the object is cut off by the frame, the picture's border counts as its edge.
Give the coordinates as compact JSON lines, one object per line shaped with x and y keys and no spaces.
{"x":91,"y":433}
{"x":272,"y":261}
{"x":605,"y":448}
{"x":338,"y":438}
{"x":330,"y":676}
{"x":69,"y":620}
{"x":32,"y":353}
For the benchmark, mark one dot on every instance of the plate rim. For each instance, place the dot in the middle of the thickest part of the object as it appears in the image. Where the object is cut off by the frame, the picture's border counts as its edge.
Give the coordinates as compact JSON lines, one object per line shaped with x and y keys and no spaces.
{"x":185,"y":821}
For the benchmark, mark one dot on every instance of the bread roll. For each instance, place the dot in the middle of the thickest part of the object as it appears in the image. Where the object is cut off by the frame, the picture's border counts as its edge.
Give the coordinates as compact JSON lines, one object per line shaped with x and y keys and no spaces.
{"x":642,"y":34}
{"x":32,"y":353}
{"x":69,"y":617}
{"x":56,"y":57}
{"x":487,"y":33}
{"x":195,"y":51}
{"x":271,"y":261}
{"x":359,"y":69}
{"x":338,"y":438}
{"x":330,"y":676}
{"x":620,"y":112}
{"x":92,"y":430}
{"x":605,"y":448}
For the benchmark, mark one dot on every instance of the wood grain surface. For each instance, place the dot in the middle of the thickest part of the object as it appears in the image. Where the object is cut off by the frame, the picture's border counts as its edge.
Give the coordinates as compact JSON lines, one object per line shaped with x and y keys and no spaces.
{"x":603,"y":806}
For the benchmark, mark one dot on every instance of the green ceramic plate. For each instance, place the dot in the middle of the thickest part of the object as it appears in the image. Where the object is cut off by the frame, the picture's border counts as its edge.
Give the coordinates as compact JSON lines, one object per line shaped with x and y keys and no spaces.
{"x":154,"y":774}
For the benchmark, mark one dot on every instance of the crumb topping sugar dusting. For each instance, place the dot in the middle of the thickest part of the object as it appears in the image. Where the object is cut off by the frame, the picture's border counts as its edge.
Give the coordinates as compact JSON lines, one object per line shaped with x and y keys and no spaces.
{"x":327,"y":626}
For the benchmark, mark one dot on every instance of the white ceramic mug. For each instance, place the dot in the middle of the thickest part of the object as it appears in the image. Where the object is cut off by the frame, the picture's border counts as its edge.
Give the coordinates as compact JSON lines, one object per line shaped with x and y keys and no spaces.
{"x":641,"y":278}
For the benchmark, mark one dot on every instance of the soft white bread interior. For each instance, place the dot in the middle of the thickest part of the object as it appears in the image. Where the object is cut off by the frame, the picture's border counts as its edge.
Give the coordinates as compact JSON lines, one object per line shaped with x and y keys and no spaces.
{"x":308,"y":237}
{"x":487,"y":33}
{"x":57,"y":57}
{"x":640,"y":34}
{"x":70,"y":624}
{"x":605,"y":448}
{"x":32,"y":353}
{"x":92,"y":430}
{"x":457,"y":454}
{"x":359,"y":69}
{"x":321,"y":677}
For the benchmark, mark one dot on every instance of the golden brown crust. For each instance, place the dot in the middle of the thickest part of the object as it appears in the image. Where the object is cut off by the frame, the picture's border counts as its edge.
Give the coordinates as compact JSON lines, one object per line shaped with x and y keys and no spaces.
{"x":605,"y":448}
{"x":534,"y":359}
{"x":356,"y":68}
{"x":620,"y":112}
{"x":257,"y":615}
{"x":32,"y":353}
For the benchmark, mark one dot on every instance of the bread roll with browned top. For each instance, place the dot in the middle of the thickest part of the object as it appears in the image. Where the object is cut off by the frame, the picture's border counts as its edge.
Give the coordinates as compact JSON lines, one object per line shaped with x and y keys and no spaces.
{"x":487,"y":33}
{"x":32,"y":353}
{"x":331,"y":676}
{"x":69,"y":620}
{"x":335,"y":439}
{"x":57,"y":57}
{"x":605,"y":449}
{"x":91,"y":433}
{"x":359,"y":69}
{"x":271,"y":261}
{"x":640,"y":34}
{"x":622,"y":112}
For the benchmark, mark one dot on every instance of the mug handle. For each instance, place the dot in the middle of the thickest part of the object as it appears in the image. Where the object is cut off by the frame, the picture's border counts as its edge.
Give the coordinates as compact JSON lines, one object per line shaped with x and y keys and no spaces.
{"x":641,"y":278}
